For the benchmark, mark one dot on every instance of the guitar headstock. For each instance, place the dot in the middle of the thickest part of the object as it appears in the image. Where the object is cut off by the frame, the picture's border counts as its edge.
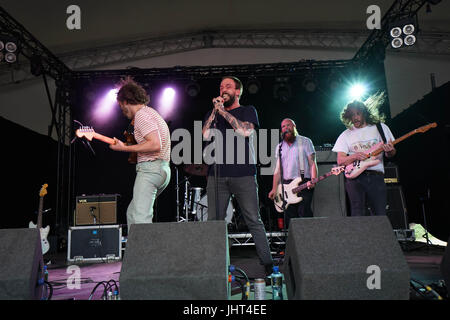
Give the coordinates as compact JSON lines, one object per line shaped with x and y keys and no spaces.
{"x":87,"y":132}
{"x":337,"y":170}
{"x":43,"y":191}
{"x":427,"y":127}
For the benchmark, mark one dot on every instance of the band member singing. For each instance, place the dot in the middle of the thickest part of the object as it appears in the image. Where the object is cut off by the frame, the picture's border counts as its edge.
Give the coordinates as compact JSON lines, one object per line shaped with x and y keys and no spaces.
{"x":361,"y":119}
{"x":234,"y":177}
{"x":153,"y":150}
{"x":298,"y":159}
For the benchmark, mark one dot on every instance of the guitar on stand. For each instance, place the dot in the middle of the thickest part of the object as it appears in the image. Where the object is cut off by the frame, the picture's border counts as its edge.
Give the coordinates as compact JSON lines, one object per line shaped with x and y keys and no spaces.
{"x":354,"y":169}
{"x":44,"y":231}
{"x":291,"y":190}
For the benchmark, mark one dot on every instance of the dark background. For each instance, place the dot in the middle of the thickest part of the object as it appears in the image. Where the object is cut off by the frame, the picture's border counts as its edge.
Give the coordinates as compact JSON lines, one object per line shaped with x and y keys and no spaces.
{"x":30,"y":160}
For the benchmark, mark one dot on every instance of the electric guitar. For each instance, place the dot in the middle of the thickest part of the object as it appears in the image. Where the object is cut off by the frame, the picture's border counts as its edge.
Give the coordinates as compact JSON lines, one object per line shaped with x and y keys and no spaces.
{"x":89,"y":133}
{"x":44,"y":231}
{"x":292,"y":189}
{"x":354,"y":169}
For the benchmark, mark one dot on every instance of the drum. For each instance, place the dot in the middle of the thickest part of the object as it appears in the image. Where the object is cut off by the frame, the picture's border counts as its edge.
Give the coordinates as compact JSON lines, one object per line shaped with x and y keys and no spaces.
{"x":202,"y":215}
{"x":195,"y":197}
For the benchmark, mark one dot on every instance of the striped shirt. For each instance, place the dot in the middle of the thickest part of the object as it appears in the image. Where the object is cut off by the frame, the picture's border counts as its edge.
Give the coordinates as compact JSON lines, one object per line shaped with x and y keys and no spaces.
{"x":147,"y":120}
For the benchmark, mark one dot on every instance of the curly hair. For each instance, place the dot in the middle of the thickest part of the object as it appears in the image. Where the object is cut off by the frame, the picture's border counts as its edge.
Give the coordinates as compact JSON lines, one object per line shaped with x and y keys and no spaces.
{"x":369,"y":109}
{"x":131,"y":92}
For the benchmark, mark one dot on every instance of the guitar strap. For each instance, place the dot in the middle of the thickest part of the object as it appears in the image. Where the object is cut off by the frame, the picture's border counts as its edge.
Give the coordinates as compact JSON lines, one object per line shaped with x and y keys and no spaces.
{"x":300,"y":155}
{"x":380,"y":130}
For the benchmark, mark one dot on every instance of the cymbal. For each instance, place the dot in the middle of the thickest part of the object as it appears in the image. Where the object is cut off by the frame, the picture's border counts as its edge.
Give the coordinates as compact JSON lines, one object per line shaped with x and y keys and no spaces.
{"x":196,"y":169}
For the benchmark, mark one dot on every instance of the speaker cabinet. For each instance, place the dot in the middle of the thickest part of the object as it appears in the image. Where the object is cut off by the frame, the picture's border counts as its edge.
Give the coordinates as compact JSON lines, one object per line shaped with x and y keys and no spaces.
{"x":96,"y":209}
{"x":396,"y":207}
{"x":341,"y":258}
{"x":176,"y":261}
{"x":21,"y":265}
{"x":329,"y":194}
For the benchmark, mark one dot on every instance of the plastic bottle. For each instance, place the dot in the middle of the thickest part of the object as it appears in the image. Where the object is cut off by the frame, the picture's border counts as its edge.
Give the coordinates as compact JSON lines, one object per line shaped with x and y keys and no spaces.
{"x":45,"y":273}
{"x":276,"y":279}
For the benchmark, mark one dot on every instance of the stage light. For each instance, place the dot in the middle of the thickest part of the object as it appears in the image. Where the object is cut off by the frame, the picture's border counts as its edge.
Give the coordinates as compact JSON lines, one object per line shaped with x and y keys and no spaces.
{"x":357,"y":91}
{"x":105,"y":105}
{"x":167,"y":101}
{"x":282,"y":89}
{"x":192,"y":89}
{"x":396,"y":43}
{"x":403,"y":31}
{"x":408,"y":29}
{"x":396,"y":32}
{"x":10,"y":57}
{"x":410,"y":40}
{"x":253,"y":86}
{"x":8,"y":49}
{"x":310,"y":85}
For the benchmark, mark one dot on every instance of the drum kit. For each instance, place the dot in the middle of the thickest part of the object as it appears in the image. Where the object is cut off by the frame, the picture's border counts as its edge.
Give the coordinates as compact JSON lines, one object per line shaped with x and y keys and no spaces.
{"x":195,"y":200}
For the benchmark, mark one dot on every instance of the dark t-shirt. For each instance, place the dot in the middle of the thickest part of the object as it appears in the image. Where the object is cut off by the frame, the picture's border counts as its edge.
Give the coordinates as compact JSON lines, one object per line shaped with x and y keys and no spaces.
{"x":232,"y":167}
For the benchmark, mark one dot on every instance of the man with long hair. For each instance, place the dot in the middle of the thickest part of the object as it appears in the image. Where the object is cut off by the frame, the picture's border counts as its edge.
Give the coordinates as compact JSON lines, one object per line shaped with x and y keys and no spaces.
{"x":153,"y":150}
{"x":361,"y":119}
{"x":298,"y":159}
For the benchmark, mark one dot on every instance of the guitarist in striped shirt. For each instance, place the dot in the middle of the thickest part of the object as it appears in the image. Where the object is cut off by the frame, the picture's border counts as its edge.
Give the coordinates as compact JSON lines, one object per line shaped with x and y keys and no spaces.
{"x":364,"y":128}
{"x":153,"y":150}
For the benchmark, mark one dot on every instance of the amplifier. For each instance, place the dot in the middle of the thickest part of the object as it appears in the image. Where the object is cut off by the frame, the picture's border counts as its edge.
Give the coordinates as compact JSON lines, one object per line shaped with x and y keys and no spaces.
{"x":96,"y":209}
{"x":94,"y":243}
{"x":391,"y":173}
{"x":325,"y":155}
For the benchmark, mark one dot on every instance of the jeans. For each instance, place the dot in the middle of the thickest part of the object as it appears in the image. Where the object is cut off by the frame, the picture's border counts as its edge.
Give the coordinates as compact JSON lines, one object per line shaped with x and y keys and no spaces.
{"x":368,"y":186}
{"x":152,"y":177}
{"x":245,"y":191}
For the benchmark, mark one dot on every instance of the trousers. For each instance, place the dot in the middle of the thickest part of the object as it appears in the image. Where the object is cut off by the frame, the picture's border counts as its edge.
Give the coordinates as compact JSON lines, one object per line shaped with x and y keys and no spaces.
{"x":245,"y":191}
{"x":152,"y":177}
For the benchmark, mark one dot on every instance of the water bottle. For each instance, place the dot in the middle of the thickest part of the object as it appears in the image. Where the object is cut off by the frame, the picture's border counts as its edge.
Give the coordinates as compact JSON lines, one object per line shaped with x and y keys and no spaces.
{"x":276,"y":279}
{"x":45,"y":273}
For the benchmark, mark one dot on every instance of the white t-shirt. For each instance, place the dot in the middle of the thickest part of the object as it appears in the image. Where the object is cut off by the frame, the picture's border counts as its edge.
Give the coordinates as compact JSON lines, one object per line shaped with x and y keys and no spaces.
{"x":355,"y":140}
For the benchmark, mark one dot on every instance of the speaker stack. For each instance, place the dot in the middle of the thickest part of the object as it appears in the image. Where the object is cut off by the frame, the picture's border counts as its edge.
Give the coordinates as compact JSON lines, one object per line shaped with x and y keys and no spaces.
{"x":176,"y":261}
{"x":21,"y":266}
{"x":329,"y":194}
{"x":344,"y":258}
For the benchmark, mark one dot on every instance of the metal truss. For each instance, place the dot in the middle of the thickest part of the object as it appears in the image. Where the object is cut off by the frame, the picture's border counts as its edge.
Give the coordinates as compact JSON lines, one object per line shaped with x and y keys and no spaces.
{"x":378,"y":40}
{"x":246,"y":239}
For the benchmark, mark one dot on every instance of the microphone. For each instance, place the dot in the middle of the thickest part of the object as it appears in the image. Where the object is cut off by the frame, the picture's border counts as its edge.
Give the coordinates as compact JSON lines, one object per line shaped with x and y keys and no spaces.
{"x":284,"y":134}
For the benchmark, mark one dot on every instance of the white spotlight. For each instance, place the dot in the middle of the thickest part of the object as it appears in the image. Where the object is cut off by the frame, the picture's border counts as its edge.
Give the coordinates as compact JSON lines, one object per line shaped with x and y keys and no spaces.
{"x":357,"y":91}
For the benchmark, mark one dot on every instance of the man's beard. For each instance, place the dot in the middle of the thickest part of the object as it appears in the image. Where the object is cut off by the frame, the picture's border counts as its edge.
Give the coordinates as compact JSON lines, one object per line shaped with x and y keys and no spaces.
{"x":230,"y":101}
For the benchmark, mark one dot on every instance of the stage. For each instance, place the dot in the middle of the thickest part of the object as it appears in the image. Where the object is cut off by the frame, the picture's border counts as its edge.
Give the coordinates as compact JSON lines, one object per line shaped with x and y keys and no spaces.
{"x":423,"y":261}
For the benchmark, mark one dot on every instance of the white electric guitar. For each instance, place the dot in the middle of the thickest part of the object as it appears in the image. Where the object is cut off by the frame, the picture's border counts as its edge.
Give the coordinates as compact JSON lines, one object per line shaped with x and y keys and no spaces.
{"x":292,"y":189}
{"x":357,"y":167}
{"x":44,"y":231}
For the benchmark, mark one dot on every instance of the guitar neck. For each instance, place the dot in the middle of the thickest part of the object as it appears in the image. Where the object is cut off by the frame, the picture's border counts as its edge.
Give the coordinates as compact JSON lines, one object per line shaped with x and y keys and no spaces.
{"x":41,"y":206}
{"x":405,"y":136}
{"x":305,"y":185}
{"x":103,"y":138}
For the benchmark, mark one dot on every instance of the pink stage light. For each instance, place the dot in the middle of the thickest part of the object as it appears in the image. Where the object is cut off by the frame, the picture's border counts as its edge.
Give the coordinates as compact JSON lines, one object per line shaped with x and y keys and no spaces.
{"x":105,"y":106}
{"x":167,"y":102}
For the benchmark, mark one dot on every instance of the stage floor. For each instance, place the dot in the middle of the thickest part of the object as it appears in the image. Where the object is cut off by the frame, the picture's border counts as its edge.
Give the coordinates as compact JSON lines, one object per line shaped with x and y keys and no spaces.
{"x":424,"y":262}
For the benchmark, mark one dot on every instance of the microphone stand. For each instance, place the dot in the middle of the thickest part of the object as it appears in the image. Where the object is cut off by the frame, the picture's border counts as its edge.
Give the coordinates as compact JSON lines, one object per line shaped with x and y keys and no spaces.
{"x":282,"y":184}
{"x":216,"y":175}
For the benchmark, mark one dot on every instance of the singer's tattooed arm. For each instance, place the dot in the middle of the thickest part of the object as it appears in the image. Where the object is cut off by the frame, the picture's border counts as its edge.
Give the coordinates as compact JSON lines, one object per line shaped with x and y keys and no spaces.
{"x":207,"y":125}
{"x":244,"y":128}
